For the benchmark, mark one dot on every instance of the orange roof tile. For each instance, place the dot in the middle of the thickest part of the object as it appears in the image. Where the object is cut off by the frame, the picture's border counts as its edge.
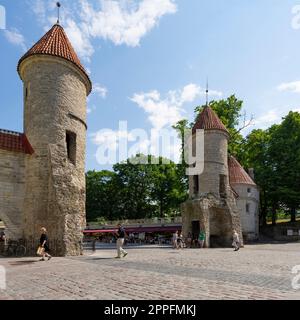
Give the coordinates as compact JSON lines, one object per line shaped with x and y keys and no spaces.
{"x":237,"y":174}
{"x":55,"y":43}
{"x":208,"y":120}
{"x":14,"y":141}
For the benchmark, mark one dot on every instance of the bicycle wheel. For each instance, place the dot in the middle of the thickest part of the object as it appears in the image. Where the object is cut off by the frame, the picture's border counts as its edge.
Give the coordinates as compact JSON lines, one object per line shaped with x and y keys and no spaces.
{"x":10,"y":252}
{"x":20,"y":251}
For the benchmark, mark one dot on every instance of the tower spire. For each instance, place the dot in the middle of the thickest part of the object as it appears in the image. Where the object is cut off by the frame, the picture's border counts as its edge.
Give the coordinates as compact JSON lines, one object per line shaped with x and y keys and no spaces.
{"x":207,"y":91}
{"x":58,"y":11}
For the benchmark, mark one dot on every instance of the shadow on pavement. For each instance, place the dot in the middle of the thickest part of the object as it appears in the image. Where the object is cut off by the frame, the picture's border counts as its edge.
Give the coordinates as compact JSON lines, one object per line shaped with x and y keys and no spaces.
{"x":21,"y":263}
{"x":103,"y":259}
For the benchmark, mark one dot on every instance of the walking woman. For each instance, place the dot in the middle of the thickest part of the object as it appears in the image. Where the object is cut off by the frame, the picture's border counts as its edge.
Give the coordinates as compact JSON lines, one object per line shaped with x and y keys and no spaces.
{"x":44,"y":243}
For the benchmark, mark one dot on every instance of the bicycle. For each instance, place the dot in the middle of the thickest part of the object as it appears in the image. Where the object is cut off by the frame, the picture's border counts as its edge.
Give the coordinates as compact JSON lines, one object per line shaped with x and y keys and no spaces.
{"x":14,"y":249}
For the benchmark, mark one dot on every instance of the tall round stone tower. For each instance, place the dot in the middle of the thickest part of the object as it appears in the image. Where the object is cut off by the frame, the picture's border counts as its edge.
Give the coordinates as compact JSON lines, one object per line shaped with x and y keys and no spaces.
{"x":56,"y":87}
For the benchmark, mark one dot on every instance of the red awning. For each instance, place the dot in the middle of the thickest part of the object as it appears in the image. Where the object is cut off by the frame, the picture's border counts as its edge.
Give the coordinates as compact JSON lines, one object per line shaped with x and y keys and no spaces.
{"x":138,"y":230}
{"x":100,"y":231}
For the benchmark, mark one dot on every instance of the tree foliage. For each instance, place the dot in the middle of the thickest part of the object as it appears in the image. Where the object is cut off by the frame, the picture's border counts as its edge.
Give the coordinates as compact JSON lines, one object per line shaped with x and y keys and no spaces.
{"x":135,"y":190}
{"x":138,"y":190}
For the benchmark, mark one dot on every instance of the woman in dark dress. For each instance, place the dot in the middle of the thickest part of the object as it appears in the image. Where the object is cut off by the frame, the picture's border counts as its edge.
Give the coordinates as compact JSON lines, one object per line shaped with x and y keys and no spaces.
{"x":44,"y":242}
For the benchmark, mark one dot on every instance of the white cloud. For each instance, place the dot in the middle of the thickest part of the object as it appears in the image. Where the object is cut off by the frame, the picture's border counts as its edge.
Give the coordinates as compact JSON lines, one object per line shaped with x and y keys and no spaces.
{"x":190,"y":92}
{"x":267,"y":119}
{"x":91,"y":109}
{"x":15,"y":37}
{"x":122,"y":22}
{"x":162,"y":140}
{"x":79,"y":39}
{"x":290,"y":86}
{"x":125,"y":22}
{"x":40,"y":9}
{"x":273,"y":116}
{"x":100,"y":90}
{"x":164,"y":112}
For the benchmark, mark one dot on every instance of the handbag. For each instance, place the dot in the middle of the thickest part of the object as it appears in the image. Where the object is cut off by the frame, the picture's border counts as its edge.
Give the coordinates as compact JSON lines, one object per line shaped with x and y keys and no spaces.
{"x":40,"y":251}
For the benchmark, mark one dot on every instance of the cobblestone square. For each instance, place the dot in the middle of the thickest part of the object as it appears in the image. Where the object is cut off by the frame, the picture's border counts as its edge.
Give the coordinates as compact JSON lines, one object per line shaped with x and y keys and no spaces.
{"x":262,"y":271}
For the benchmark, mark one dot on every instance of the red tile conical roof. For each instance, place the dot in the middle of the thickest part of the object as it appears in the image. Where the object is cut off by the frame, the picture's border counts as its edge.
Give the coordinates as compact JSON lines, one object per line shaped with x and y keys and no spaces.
{"x":237,"y":174}
{"x":55,"y":43}
{"x":208,"y":120}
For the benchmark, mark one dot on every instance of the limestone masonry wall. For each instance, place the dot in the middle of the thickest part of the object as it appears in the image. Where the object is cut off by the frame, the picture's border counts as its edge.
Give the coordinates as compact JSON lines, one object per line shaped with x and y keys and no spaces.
{"x":250,"y":219}
{"x":12,"y":171}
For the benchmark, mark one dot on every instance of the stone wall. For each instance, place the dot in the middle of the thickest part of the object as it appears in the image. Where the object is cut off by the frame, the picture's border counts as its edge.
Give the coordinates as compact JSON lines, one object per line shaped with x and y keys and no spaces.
{"x":217,"y":217}
{"x":12,"y":167}
{"x":249,"y":220}
{"x":288,"y":233}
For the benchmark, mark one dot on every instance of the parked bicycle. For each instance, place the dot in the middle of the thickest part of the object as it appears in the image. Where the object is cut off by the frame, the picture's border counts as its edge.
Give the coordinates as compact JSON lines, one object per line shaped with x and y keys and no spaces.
{"x":14,"y":249}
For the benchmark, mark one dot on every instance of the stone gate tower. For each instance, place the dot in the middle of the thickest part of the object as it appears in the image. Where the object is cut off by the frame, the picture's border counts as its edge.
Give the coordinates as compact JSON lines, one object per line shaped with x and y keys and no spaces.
{"x":212,"y":205}
{"x":55,"y":90}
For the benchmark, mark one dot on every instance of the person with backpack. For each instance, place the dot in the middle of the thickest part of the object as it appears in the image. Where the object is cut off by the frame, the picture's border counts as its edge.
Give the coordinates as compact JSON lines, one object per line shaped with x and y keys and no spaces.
{"x":120,"y":242}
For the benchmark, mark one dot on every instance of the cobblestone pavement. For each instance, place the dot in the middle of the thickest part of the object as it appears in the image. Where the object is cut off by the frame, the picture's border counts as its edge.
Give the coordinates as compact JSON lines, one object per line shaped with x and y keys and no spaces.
{"x":256,"y":272}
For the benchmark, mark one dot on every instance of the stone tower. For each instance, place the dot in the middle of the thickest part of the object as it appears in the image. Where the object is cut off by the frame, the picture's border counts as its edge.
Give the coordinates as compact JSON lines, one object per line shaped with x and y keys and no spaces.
{"x":214,"y":179}
{"x":212,"y":204}
{"x":55,"y":90}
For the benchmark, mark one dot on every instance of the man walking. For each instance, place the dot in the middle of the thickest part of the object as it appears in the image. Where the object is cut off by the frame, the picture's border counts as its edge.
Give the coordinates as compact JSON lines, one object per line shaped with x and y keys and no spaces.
{"x":120,"y":242}
{"x":236,"y":241}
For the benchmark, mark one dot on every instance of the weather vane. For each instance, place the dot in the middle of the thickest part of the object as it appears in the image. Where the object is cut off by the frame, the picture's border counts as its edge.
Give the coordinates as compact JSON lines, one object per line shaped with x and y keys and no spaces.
{"x":58,"y":7}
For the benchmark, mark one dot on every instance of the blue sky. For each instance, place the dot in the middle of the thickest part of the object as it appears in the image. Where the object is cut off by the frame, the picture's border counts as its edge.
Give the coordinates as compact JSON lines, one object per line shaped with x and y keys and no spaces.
{"x":149,"y":59}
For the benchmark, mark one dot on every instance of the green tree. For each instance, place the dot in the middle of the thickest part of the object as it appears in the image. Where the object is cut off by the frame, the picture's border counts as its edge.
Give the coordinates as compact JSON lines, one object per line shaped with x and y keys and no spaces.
{"x":168,"y":188}
{"x":101,"y":195}
{"x":136,"y":189}
{"x":256,"y":155}
{"x":159,"y":186}
{"x":182,"y":127}
{"x":285,"y":153}
{"x":134,"y":180}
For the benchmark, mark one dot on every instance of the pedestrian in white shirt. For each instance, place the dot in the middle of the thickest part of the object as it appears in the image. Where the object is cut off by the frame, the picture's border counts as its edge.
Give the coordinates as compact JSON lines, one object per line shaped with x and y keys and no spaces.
{"x":236,"y":241}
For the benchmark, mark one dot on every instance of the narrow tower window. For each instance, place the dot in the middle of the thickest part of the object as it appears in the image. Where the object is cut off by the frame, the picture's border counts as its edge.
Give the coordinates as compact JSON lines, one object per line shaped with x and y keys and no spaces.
{"x":248,"y":207}
{"x":71,"y":146}
{"x":196,"y":184}
{"x":27,"y":91}
{"x":222,"y":186}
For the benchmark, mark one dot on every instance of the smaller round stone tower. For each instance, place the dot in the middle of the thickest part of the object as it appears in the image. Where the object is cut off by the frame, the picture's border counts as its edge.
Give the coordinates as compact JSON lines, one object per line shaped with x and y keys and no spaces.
{"x":214,"y":178}
{"x":55,"y":90}
{"x":212,"y":207}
